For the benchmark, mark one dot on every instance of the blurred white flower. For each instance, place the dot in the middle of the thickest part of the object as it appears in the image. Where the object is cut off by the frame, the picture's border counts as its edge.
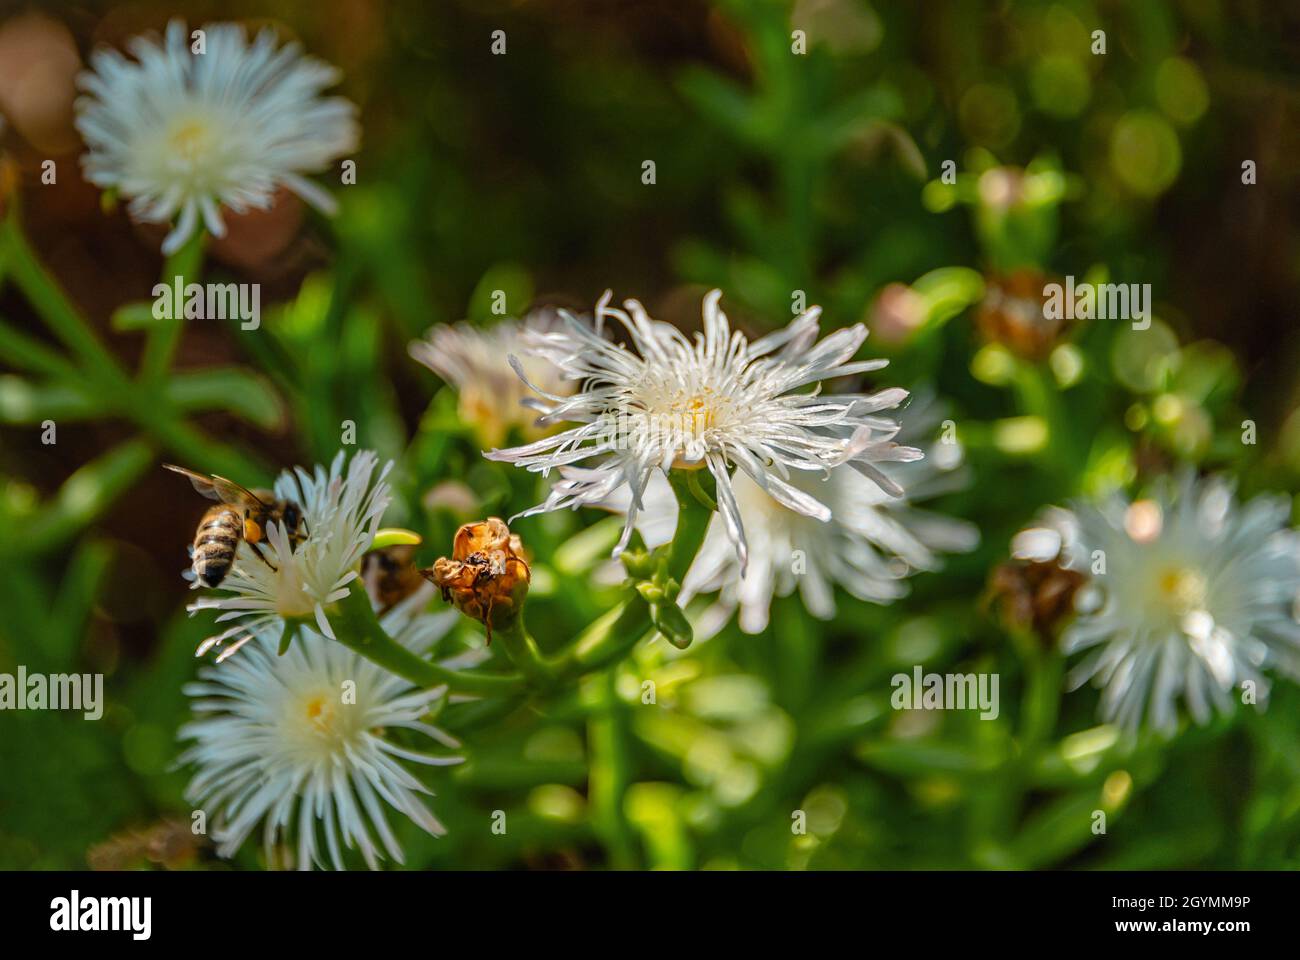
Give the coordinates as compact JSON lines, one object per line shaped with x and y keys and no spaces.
{"x":181,"y":134}
{"x":341,"y":514}
{"x":302,"y":744}
{"x":474,"y":361}
{"x":710,"y":403}
{"x":1197,"y":595}
{"x":872,"y":543}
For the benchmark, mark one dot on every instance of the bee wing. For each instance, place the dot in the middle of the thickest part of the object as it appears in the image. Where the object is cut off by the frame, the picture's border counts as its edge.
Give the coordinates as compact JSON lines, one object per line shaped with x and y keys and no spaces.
{"x":219,"y":488}
{"x":231,"y":492}
{"x":202,"y":484}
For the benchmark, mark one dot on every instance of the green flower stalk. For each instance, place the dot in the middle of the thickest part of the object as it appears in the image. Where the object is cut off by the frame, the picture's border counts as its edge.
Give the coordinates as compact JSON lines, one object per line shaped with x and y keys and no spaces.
{"x":359,"y":629}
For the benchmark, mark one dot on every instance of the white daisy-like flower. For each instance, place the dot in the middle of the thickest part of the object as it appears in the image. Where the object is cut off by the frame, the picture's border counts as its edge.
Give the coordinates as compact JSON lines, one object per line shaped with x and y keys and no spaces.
{"x":872,"y":543}
{"x":182,"y":133}
{"x":716,"y":401}
{"x":474,"y":361}
{"x":302,"y":744}
{"x":1192,"y":595}
{"x":291,"y":580}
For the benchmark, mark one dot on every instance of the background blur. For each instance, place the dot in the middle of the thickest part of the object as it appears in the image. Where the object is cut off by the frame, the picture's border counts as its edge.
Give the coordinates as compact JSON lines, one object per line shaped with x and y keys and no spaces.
{"x":774,"y":173}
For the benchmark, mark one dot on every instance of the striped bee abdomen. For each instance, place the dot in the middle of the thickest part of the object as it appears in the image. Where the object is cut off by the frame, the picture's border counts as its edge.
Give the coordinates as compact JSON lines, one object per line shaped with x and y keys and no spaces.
{"x":215,"y":544}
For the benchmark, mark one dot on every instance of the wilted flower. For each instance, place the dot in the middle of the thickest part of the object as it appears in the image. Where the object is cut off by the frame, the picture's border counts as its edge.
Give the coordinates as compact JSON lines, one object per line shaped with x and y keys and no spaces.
{"x":486,"y":577}
{"x":1013,"y":313}
{"x":474,"y":360}
{"x":1194,"y":596}
{"x":1034,"y":594}
{"x":710,"y":403}
{"x":170,"y":843}
{"x":302,"y":744}
{"x":183,"y":133}
{"x":341,"y":514}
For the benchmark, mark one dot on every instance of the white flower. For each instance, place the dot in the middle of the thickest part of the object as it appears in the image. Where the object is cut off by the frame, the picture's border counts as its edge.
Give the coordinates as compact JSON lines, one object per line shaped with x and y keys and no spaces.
{"x":184,"y":133}
{"x":871,"y":544}
{"x":341,"y":514}
{"x":474,"y":361}
{"x":302,"y":744}
{"x":714,"y":402}
{"x":1192,"y":596}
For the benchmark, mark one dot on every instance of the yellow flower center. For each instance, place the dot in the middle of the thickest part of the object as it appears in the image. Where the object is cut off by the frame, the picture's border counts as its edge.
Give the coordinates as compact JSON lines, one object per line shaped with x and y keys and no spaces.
{"x":190,"y":139}
{"x":1181,"y":589}
{"x":320,"y":713}
{"x":700,"y":412}
{"x":694,"y":415}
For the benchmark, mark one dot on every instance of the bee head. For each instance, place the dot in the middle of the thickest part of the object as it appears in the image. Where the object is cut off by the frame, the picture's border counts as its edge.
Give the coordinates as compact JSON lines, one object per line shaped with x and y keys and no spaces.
{"x":292,"y":516}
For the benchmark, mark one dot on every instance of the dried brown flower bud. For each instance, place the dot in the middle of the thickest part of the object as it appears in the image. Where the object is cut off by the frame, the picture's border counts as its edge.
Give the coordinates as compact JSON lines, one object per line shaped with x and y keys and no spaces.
{"x":167,"y":843}
{"x":1035,"y":595}
{"x":486,"y":576}
{"x":1013,"y":313}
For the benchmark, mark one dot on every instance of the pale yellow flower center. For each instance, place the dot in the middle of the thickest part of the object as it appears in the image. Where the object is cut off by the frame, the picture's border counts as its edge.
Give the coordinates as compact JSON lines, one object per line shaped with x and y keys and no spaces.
{"x":190,"y":139}
{"x":319,"y":721}
{"x":693,"y":415}
{"x":320,"y":713}
{"x":1181,"y":589}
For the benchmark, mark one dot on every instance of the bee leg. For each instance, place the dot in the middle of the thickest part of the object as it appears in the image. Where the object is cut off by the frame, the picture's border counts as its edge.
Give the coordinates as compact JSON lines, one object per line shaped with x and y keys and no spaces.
{"x":257,"y":548}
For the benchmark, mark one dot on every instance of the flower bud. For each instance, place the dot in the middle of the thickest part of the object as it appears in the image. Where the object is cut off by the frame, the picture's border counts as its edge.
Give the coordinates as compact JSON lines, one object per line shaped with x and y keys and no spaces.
{"x":1037,"y":595}
{"x":1014,"y":314}
{"x":486,"y":577}
{"x":672,"y":624}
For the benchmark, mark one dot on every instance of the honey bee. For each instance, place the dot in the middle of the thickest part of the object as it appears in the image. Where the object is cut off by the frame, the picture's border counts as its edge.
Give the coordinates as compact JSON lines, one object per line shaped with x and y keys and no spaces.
{"x":240,"y":515}
{"x":390,"y":575}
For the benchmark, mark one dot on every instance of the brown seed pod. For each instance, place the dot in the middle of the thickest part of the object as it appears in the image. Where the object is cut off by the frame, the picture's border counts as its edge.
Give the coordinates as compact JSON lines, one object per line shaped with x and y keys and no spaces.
{"x":486,"y":577}
{"x":1036,"y":594}
{"x":1013,"y":314}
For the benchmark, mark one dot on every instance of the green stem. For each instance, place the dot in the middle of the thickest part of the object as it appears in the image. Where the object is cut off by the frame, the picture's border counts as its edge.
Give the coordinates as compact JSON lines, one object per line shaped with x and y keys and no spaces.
{"x":99,"y":368}
{"x":607,"y":639}
{"x":1044,"y":670}
{"x":163,"y":336}
{"x":358,"y":629}
{"x":610,"y":772}
{"x":612,"y":636}
{"x":693,"y":516}
{"x":49,"y":300}
{"x":27,"y":352}
{"x":522,"y":650}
